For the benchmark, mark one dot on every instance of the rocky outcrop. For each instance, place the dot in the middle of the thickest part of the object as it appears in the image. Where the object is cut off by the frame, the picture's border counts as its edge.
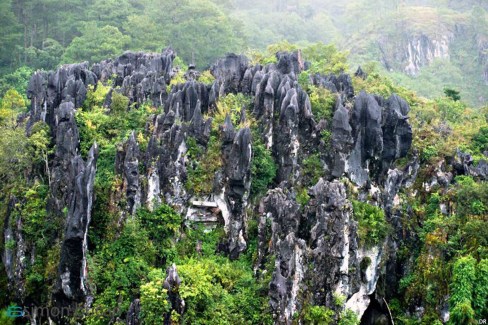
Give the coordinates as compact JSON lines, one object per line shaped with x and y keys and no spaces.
{"x":71,"y":284}
{"x":482,"y":43}
{"x":127,"y":165}
{"x":341,"y":84}
{"x":229,"y":73}
{"x":342,"y":140}
{"x":63,"y":170}
{"x":464,"y":164}
{"x":133,"y":313}
{"x":47,"y":90}
{"x":184,"y":98}
{"x":165,"y":161}
{"x":314,"y":243}
{"x":333,"y":243}
{"x":315,"y":247}
{"x":283,"y":213}
{"x":14,"y":258}
{"x":142,"y":77}
{"x":414,"y":52}
{"x":366,"y":142}
{"x":172,"y":284}
{"x":238,"y":174}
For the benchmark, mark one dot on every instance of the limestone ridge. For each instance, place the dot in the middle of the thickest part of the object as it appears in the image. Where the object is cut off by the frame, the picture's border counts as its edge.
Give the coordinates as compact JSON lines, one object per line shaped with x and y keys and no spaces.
{"x":316,"y":243}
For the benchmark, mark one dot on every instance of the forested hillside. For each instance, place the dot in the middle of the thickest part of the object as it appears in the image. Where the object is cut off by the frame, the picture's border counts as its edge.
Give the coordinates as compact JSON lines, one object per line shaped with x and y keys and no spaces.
{"x":282,"y":184}
{"x":426,"y":45}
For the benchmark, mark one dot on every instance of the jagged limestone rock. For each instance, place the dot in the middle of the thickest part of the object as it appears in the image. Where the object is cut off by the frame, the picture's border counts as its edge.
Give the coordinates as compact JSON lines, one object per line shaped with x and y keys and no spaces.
{"x":315,"y":245}
{"x":71,"y":285}
{"x":172,"y":284}
{"x":127,"y":165}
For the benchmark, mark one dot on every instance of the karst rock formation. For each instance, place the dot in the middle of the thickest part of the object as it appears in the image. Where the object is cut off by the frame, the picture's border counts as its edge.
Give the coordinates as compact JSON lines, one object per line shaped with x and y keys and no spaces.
{"x":315,"y":245}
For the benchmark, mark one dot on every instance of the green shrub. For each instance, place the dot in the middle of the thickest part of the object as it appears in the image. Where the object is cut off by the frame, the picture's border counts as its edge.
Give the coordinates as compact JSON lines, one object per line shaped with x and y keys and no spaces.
{"x":302,"y":197}
{"x":480,"y":140}
{"x":325,"y":58}
{"x":154,"y":298}
{"x":230,"y":104}
{"x":163,"y":226}
{"x":326,"y":136}
{"x":323,"y":102}
{"x":449,"y":109}
{"x":373,"y":227}
{"x":118,"y":270}
{"x":348,"y":317}
{"x":318,"y":315}
{"x":95,"y":95}
{"x":481,"y":289}
{"x":462,"y":289}
{"x":201,"y":172}
{"x":263,"y":168}
{"x":215,"y":288}
{"x":312,"y":168}
{"x":452,"y":94}
{"x":365,"y":263}
{"x":120,"y":103}
{"x":206,"y":77}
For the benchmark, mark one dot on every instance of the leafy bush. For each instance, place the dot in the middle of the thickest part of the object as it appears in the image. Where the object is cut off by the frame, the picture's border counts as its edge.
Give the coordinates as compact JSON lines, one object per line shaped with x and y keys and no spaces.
{"x":302,"y":197}
{"x":450,"y":110}
{"x":480,"y":140}
{"x":119,"y":104}
{"x":348,"y":317}
{"x":201,"y":172}
{"x":326,"y":58}
{"x":373,"y":227}
{"x":312,"y":168}
{"x":318,"y":315}
{"x":11,"y":105}
{"x":463,"y":280}
{"x":154,"y":299}
{"x":452,"y":94}
{"x":230,"y":104}
{"x":163,"y":226}
{"x":323,"y":102}
{"x":263,"y":168}
{"x":16,"y":80}
{"x":118,"y":270}
{"x":206,"y":77}
{"x":215,"y":288}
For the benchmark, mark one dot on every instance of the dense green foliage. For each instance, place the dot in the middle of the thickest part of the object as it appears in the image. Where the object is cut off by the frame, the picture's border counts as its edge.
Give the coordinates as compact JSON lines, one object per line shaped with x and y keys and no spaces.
{"x":263,"y":167}
{"x":373,"y":227}
{"x":43,"y":34}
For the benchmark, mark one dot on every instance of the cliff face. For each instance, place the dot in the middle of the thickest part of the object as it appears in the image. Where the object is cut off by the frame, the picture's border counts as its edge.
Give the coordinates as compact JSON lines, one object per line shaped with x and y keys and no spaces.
{"x":414,"y":52}
{"x":315,"y":244}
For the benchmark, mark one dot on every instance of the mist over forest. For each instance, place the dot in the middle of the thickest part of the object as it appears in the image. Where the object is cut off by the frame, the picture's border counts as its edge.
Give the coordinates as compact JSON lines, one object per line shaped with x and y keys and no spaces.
{"x":425,"y":45}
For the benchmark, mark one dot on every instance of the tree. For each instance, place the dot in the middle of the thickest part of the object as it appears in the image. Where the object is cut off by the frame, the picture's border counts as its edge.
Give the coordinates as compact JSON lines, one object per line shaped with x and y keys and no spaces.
{"x":452,"y":94}
{"x":16,"y":80}
{"x":463,"y":280}
{"x":145,"y":33}
{"x":10,"y":34}
{"x":96,"y":44}
{"x":10,"y":106}
{"x":196,"y":29}
{"x":14,"y":153}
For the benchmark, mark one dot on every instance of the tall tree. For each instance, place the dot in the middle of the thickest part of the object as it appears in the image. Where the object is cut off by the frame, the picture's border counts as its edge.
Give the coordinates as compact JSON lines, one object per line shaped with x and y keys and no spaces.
{"x":96,"y":44}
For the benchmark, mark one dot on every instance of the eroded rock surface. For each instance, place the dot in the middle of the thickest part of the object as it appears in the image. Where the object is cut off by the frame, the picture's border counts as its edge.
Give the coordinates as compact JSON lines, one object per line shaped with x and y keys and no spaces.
{"x":314,"y":243}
